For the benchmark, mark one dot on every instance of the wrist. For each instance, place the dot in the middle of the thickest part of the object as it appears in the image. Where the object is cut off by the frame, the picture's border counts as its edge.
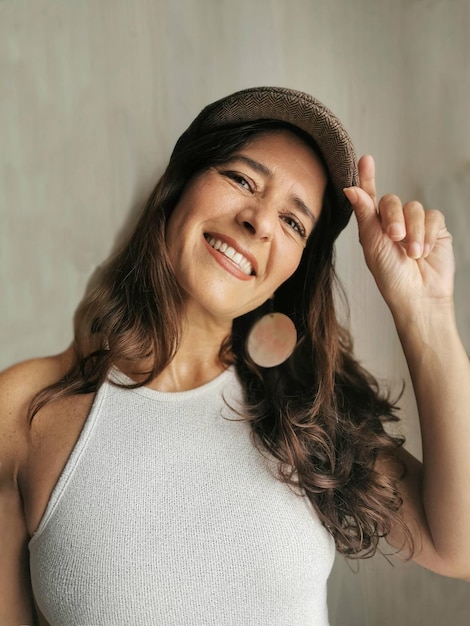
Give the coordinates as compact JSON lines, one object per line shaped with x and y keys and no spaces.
{"x":421,"y":311}
{"x":430,"y":321}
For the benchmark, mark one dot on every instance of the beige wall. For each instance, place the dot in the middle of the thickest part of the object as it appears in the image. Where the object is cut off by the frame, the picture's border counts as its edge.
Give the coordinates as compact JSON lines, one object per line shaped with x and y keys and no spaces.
{"x":95,"y":92}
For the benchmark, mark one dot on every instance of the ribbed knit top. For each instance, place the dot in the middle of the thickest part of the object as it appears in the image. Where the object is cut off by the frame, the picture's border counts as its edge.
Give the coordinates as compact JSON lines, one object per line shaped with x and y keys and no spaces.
{"x":166,"y":514}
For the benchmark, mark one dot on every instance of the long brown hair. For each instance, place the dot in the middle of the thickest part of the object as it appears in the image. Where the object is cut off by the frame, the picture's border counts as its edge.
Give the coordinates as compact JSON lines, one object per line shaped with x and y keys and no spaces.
{"x":320,"y":413}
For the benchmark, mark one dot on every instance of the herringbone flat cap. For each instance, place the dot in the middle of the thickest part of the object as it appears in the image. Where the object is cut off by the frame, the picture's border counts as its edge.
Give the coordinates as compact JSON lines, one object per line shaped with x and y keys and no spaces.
{"x":301,"y":110}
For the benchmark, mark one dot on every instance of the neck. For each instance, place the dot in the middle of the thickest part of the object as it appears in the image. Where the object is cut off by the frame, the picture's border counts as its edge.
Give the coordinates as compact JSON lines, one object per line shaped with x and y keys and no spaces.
{"x":197,"y":360}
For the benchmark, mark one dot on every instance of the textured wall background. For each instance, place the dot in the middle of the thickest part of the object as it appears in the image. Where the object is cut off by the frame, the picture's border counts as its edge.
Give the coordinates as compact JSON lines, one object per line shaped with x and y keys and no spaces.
{"x":94,"y":93}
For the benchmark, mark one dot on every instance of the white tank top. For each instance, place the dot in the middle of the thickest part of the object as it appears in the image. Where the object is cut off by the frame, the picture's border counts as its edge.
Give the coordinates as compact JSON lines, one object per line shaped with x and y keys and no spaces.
{"x":166,"y":514}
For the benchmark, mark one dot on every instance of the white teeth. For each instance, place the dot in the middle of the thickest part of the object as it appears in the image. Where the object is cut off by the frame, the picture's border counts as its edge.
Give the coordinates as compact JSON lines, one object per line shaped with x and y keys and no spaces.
{"x":232,"y":254}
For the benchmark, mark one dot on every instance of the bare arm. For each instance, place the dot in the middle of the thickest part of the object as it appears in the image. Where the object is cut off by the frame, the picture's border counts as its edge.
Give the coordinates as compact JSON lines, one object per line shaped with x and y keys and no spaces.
{"x":412,"y":263}
{"x":440,"y":371}
{"x":16,"y":604}
{"x":18,"y":385}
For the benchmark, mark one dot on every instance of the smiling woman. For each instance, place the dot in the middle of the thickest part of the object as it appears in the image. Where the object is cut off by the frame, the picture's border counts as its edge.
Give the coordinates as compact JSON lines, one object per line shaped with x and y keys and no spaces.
{"x":158,"y":473}
{"x":254,"y":210}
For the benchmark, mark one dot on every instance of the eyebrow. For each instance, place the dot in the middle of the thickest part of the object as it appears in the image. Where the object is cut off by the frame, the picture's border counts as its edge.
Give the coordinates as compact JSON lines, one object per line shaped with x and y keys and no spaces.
{"x":265,"y":171}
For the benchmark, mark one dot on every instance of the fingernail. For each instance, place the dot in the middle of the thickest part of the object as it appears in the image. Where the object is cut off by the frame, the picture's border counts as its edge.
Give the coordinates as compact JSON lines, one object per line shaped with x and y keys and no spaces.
{"x":396,"y":230}
{"x":426,"y":250}
{"x":414,"y":250}
{"x":351,"y":194}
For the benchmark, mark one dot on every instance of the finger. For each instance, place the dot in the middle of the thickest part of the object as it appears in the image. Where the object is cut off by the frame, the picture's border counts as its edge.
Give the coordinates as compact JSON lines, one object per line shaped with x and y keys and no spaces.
{"x":366,"y":167}
{"x":415,"y":228}
{"x":434,"y":224}
{"x":369,"y":226}
{"x":392,"y":217}
{"x":362,"y":203}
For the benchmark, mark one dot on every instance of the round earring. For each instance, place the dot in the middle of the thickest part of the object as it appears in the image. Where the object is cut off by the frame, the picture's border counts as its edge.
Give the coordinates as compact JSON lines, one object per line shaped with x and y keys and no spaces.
{"x":271,"y":340}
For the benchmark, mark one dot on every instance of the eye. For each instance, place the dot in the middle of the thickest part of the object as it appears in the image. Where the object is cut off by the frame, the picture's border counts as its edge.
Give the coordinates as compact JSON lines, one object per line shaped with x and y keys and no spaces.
{"x":294,"y":223}
{"x":241,"y":180}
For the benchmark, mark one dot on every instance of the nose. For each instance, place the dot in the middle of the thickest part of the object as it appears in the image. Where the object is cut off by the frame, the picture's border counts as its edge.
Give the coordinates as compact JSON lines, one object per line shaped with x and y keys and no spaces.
{"x":259,"y":219}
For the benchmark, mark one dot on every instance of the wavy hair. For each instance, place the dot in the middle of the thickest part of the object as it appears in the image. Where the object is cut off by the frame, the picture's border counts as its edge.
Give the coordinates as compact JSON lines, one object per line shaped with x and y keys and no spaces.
{"x":320,"y":414}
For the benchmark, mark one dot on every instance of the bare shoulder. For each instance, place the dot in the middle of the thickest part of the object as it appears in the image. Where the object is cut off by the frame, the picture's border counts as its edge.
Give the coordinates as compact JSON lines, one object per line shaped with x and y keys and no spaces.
{"x":18,"y":386}
{"x":32,"y":375}
{"x":20,"y":382}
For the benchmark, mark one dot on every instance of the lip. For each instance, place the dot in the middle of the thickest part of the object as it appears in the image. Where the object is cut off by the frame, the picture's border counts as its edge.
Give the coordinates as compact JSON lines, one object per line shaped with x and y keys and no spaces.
{"x":238,"y":248}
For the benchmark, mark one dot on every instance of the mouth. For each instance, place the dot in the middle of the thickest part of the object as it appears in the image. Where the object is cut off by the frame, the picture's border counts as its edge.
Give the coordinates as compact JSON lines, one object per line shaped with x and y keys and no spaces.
{"x":237,"y":258}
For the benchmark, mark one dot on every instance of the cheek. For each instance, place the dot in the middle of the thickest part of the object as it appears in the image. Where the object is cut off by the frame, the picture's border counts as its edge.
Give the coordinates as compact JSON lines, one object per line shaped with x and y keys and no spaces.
{"x":178,"y":226}
{"x":171,"y":241}
{"x":290,"y":264}
{"x":190,"y":212}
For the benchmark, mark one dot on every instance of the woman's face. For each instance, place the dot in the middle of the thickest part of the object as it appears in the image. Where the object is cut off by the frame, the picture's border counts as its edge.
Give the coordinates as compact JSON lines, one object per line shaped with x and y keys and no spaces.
{"x":239,"y":229}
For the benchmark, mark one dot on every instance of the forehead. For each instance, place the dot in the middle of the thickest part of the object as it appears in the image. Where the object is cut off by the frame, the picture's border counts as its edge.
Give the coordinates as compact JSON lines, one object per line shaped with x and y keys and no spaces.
{"x":284,"y":155}
{"x":285,"y":144}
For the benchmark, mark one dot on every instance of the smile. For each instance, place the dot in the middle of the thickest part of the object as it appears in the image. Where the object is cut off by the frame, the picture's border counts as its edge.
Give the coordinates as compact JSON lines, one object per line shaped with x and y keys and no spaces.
{"x":236,"y":257}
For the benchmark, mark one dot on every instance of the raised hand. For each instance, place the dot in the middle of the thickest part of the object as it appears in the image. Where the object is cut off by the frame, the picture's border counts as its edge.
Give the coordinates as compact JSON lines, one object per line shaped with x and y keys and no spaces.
{"x":408,"y":249}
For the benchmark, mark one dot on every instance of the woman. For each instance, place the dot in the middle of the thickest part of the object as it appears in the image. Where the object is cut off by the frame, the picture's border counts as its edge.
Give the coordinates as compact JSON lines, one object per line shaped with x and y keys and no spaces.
{"x":195,"y":457}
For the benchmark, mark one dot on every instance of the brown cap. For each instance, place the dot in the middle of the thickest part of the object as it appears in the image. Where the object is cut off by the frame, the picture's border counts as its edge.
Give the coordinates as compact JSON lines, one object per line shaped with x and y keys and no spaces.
{"x":301,"y":110}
